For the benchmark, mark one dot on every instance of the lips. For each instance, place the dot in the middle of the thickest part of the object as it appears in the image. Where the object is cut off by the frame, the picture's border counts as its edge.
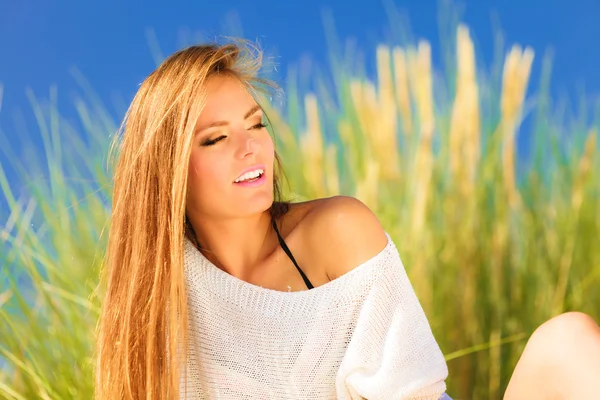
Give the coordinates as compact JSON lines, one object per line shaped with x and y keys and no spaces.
{"x":261,"y":167}
{"x":253,"y":183}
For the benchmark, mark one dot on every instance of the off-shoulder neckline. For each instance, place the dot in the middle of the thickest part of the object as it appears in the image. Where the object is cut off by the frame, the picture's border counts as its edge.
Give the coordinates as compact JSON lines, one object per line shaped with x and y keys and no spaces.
{"x":215,"y":273}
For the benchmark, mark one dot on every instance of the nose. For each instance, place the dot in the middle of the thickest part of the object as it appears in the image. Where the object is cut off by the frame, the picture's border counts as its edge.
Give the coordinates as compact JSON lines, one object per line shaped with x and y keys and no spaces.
{"x":248,"y":145}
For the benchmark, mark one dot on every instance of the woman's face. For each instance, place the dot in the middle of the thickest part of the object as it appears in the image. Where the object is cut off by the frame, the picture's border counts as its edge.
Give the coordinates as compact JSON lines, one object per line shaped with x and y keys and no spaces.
{"x":229,"y":141}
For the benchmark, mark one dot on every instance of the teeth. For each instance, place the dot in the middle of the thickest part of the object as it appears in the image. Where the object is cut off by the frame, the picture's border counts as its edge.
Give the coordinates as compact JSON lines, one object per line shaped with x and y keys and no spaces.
{"x":250,"y":175}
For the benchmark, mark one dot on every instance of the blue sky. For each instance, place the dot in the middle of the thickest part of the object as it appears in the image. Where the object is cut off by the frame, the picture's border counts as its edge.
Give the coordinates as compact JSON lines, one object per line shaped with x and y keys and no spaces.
{"x":106,"y":40}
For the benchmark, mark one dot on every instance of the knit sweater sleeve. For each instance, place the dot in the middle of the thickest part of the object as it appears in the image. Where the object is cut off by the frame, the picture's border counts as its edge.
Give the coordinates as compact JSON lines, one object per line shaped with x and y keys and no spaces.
{"x":392,"y":353}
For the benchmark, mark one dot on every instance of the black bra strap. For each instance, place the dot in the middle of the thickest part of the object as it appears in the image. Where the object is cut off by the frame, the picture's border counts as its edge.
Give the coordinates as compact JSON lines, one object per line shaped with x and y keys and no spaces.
{"x":289,"y":253}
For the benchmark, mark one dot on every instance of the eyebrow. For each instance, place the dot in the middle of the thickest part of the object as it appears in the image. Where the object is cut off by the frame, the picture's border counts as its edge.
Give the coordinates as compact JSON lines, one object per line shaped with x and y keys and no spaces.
{"x":248,"y":114}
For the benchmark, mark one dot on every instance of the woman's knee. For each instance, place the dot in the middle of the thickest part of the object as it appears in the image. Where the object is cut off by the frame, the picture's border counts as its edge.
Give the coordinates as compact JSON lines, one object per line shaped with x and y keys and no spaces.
{"x":561,"y":357}
{"x":571,"y":326}
{"x":566,"y":334}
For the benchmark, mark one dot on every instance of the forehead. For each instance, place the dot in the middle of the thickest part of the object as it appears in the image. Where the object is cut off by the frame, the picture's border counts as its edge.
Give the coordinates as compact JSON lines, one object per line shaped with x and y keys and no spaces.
{"x":226,"y":97}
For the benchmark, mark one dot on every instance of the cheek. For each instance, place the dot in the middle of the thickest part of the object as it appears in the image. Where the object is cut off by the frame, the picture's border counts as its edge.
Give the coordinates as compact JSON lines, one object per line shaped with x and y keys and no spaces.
{"x":269,"y":149}
{"x":205,"y":174}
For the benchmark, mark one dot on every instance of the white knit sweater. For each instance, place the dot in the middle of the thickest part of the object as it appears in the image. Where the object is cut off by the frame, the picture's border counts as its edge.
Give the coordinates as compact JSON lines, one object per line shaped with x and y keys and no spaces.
{"x":362,"y":335}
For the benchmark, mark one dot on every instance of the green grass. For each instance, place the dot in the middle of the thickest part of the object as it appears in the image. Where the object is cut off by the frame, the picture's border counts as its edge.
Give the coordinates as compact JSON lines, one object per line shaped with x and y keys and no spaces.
{"x":487,"y":271}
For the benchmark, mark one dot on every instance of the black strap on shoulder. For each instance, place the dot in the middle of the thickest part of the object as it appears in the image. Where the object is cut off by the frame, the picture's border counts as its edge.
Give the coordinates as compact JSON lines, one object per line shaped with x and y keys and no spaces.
{"x":289,"y":253}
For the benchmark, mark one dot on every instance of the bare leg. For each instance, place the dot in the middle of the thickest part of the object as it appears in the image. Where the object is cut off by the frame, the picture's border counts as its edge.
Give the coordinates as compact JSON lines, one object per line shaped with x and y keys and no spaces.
{"x":560,"y":361}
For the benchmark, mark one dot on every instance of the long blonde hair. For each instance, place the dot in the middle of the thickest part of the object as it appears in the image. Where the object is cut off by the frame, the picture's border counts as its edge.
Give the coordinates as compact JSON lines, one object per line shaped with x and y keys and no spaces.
{"x":144,"y":312}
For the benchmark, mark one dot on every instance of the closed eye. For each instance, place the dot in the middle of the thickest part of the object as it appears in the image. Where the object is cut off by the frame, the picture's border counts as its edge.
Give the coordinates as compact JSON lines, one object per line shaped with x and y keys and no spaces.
{"x":260,"y":125}
{"x":213,"y":141}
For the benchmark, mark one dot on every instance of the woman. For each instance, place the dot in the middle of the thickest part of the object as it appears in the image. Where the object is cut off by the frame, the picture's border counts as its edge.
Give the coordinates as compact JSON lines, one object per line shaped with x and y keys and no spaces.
{"x":260,"y":298}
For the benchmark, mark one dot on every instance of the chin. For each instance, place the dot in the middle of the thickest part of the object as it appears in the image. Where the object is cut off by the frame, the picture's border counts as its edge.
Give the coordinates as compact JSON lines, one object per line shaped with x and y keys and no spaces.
{"x":260,"y":206}
{"x":246,"y":208}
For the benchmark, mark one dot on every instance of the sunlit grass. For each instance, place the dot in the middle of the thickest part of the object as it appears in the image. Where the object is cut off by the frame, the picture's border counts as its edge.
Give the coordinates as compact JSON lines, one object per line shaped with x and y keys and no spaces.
{"x":494,"y":245}
{"x":52,"y":243}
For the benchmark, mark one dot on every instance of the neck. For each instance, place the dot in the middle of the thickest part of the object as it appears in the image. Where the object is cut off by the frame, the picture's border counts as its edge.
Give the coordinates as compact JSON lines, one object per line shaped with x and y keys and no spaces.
{"x":235,"y":245}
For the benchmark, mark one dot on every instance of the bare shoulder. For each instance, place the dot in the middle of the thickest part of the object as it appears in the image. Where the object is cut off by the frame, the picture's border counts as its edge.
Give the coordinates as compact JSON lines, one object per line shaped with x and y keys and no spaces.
{"x":341,"y":233}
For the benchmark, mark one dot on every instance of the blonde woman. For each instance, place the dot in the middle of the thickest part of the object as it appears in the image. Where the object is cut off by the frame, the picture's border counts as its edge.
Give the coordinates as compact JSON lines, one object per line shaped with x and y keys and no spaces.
{"x":216,"y":288}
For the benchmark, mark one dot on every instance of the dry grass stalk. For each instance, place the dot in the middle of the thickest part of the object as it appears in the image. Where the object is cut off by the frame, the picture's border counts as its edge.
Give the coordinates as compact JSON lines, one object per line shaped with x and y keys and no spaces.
{"x":366,"y":188}
{"x":331,"y":171}
{"x":379,"y":133}
{"x":312,"y":147}
{"x":365,"y":103}
{"x":583,"y":171}
{"x":465,"y":123}
{"x":517,"y":68}
{"x":421,"y":86}
{"x":385,"y":117}
{"x":566,"y":258}
{"x":495,"y":365}
{"x":350,"y":145}
{"x":402,"y":89}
